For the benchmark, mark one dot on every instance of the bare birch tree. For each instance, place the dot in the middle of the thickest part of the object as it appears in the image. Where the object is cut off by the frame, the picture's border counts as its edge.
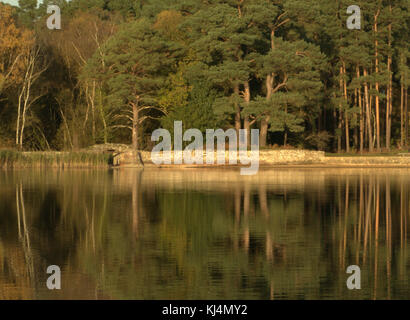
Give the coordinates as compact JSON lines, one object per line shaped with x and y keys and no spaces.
{"x":33,"y":70}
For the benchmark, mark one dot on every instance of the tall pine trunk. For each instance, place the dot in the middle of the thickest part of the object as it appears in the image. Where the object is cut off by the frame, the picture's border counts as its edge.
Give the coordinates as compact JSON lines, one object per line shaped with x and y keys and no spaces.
{"x":269,"y":88}
{"x":361,"y":111}
{"x":135,"y":126}
{"x":340,"y":123}
{"x":356,"y":129}
{"x":265,"y":120}
{"x":406,"y":116}
{"x":346,"y":113}
{"x":368,"y":112}
{"x":264,"y":131}
{"x":377,"y":101}
{"x":389,"y":102}
{"x":246,"y":122}
{"x":402,"y":139}
{"x":237,"y":110}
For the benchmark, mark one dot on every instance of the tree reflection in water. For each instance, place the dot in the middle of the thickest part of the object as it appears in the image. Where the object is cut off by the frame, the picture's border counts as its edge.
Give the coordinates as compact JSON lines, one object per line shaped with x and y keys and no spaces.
{"x":205,"y":234}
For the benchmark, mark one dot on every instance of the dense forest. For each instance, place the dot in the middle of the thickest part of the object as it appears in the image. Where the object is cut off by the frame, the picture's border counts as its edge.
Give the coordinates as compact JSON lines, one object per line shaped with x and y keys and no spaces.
{"x":119,"y":69}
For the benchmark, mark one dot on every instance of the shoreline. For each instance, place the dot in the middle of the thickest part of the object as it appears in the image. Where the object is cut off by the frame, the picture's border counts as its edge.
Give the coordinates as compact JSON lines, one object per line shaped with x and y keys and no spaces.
{"x":267,"y":167}
{"x":11,"y":159}
{"x":271,"y":159}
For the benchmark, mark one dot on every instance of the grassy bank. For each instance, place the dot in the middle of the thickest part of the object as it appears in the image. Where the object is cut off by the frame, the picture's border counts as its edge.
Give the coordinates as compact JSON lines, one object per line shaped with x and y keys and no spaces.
{"x":16,"y":159}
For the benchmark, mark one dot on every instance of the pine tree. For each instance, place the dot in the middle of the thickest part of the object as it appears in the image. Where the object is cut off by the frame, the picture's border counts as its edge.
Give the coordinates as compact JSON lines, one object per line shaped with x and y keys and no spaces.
{"x":136,"y":61}
{"x":222,"y":40}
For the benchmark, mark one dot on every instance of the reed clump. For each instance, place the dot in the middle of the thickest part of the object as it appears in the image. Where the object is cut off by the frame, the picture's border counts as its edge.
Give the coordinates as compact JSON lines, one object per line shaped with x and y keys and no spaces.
{"x":17,"y":159}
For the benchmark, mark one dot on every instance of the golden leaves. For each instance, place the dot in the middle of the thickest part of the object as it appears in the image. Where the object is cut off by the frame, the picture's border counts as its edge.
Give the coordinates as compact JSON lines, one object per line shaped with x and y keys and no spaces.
{"x":15,"y":44}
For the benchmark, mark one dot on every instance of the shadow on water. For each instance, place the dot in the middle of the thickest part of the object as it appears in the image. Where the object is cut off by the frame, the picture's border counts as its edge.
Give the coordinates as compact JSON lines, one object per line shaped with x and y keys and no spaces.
{"x":205,"y":234}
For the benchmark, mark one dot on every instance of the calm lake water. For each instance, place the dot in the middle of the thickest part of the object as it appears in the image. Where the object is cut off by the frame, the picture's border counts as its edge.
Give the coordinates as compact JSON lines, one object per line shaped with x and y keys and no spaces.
{"x":205,"y":234}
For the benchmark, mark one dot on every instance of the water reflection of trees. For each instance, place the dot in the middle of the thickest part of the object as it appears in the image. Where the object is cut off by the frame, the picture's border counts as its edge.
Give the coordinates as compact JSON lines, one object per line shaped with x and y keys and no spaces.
{"x":138,"y":234}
